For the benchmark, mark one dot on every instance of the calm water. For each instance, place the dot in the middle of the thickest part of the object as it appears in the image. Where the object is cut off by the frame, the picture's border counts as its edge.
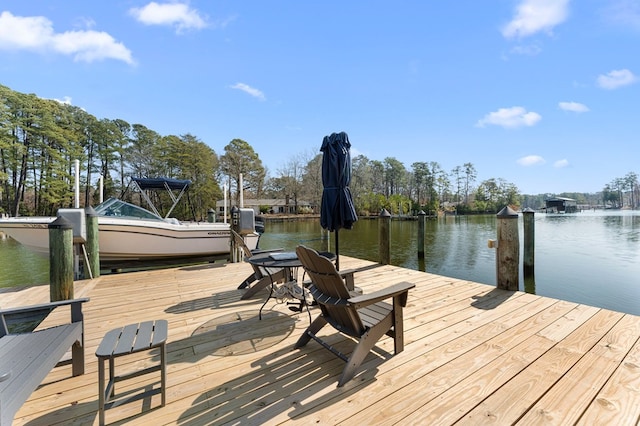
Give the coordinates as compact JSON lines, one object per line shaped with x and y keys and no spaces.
{"x":588,"y":257}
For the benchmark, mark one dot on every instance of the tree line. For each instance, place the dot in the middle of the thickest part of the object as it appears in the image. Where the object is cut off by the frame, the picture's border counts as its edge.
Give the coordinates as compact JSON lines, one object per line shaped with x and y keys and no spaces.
{"x":622,"y":191}
{"x":40,"y":139}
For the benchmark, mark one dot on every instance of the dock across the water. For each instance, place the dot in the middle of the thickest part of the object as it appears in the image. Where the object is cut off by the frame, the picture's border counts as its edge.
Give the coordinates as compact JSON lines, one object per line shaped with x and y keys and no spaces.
{"x":473,"y":355}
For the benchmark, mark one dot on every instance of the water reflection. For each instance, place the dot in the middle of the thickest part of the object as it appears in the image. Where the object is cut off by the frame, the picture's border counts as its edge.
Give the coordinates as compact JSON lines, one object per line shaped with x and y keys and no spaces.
{"x":589,"y":257}
{"x":19,"y":266}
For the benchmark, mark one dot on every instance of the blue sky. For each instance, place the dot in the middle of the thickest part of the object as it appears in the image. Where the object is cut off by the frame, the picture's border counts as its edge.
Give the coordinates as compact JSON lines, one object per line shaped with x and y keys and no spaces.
{"x":541,"y":93}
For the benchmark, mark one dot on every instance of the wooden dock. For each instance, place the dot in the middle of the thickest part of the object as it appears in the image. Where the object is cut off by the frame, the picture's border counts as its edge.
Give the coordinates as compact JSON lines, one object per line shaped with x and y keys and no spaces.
{"x":473,"y":355}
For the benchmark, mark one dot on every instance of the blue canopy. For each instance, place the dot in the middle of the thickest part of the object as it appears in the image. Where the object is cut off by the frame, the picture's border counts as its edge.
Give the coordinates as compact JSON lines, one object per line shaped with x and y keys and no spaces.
{"x":337,"y":209}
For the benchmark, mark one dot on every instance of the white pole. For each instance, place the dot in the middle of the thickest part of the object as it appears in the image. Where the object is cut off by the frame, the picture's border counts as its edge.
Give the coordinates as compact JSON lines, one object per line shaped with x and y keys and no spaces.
{"x":101,"y":189}
{"x":224,"y":190}
{"x":241,"y":192}
{"x":77,"y":184}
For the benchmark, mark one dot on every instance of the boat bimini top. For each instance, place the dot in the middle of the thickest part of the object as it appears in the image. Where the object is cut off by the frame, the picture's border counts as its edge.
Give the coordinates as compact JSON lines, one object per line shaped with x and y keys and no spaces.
{"x":171,"y":186}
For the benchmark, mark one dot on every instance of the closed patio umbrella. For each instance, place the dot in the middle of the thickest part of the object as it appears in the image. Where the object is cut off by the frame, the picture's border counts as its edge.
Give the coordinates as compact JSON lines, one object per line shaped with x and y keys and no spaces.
{"x":337,"y":209}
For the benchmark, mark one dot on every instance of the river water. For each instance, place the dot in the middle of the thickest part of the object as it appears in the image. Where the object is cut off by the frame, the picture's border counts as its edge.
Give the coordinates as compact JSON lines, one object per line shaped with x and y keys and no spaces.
{"x":592,"y":257}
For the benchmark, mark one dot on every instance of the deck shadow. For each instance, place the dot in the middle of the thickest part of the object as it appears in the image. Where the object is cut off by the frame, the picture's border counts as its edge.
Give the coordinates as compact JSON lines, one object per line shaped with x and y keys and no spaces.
{"x":216,"y":300}
{"x":241,"y":333}
{"x":278,"y":383}
{"x":236,"y":333}
{"x":492,"y":299}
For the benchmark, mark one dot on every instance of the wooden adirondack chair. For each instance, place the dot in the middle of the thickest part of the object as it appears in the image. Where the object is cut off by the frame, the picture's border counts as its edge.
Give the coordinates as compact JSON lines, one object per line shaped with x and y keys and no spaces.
{"x":365,"y":317}
{"x":263,"y":276}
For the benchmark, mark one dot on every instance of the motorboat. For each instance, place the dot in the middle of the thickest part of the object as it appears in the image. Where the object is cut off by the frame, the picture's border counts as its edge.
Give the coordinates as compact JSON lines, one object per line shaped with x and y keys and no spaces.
{"x":129,"y":232}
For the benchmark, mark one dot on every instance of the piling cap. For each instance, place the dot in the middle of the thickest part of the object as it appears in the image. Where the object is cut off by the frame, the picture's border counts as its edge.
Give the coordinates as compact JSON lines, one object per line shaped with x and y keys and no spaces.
{"x":507,"y":213}
{"x":421,"y":213}
{"x":528,"y":210}
{"x":61,"y":223}
{"x":90,"y":212}
{"x":385,"y":213}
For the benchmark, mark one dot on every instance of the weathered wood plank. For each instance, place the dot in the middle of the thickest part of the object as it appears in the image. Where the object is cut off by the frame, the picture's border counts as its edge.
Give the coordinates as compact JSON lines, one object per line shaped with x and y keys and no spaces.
{"x":617,"y":402}
{"x":567,"y":400}
{"x":509,"y":402}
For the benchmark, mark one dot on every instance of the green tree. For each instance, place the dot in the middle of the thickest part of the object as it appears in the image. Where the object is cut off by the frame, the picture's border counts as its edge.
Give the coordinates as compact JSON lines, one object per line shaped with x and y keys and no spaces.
{"x":312,"y":181}
{"x":458,"y":180}
{"x":193,"y":160}
{"x":470,"y":175}
{"x":631,"y":185}
{"x":362,"y":182}
{"x":394,"y":173}
{"x":420,"y":177}
{"x":494,"y":194}
{"x":240,"y":159}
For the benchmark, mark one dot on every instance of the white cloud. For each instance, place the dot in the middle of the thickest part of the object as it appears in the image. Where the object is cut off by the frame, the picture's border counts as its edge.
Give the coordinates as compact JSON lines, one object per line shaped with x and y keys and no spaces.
{"x":560,"y":164}
{"x":178,"y":15}
{"x":531,"y":160}
{"x":65,"y":101}
{"x":533,"y":16}
{"x":510,"y":118}
{"x":573,"y":106}
{"x":527,"y":50}
{"x":36,"y":33}
{"x":616,"y":78}
{"x":250,"y":90}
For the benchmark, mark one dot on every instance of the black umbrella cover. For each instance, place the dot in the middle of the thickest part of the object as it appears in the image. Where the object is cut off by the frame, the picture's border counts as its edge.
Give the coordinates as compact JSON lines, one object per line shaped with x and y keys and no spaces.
{"x":337,"y":209}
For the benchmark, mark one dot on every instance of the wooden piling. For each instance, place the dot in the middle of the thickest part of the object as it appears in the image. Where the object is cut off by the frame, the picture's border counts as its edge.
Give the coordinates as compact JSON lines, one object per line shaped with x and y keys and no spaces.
{"x":93,"y":242}
{"x":60,"y":260}
{"x":325,"y":237}
{"x":421,"y":226}
{"x":529,"y":241}
{"x":384,"y":226}
{"x":508,"y":250}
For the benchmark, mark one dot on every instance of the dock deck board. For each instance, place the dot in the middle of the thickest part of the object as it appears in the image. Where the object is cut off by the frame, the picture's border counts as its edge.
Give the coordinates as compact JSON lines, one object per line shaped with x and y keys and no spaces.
{"x":473,"y":355}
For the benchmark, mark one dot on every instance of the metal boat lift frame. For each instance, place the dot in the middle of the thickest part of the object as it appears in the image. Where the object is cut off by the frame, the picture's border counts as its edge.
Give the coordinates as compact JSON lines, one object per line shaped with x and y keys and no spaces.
{"x":143,"y":185}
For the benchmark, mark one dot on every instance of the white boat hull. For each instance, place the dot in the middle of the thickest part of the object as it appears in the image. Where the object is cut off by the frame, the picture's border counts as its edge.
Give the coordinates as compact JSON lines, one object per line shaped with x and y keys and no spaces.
{"x":130,"y":239}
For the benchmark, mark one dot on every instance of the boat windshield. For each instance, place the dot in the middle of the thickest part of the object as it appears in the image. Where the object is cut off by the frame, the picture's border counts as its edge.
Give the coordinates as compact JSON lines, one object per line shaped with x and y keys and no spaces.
{"x":119,"y":208}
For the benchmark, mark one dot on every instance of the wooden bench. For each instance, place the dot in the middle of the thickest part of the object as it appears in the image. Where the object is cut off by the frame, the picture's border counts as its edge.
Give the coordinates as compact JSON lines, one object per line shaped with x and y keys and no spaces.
{"x":27,"y":356}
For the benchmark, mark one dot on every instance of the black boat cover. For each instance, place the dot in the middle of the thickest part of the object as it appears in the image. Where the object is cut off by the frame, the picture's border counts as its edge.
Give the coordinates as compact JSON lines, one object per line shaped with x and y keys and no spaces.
{"x":161,"y":183}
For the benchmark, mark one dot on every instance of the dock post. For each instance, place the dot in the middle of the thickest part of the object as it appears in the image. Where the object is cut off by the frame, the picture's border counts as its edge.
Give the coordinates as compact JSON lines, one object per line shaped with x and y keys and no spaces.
{"x":529,"y":241}
{"x":234,"y":256}
{"x":325,"y":237}
{"x":528,"y":266}
{"x":93,"y":242}
{"x":384,"y":225}
{"x":233,"y":251}
{"x":60,"y":259}
{"x":211,"y":215}
{"x":508,"y":250}
{"x":421,"y":219}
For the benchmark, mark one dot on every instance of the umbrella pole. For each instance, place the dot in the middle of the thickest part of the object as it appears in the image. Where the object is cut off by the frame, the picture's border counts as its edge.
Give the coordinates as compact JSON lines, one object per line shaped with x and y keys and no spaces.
{"x":337,"y":252}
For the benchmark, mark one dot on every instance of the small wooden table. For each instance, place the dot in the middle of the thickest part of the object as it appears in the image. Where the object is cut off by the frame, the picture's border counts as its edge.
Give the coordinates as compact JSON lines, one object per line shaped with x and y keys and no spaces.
{"x":124,"y":341}
{"x":289,"y":262}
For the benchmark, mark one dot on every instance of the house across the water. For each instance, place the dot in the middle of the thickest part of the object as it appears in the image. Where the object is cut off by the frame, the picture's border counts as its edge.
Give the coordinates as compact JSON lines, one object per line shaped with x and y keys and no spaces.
{"x":270,"y":206}
{"x":561,"y":205}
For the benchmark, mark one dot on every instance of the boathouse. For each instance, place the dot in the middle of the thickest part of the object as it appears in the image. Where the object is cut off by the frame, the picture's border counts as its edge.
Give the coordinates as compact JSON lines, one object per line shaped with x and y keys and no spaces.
{"x":561,"y":205}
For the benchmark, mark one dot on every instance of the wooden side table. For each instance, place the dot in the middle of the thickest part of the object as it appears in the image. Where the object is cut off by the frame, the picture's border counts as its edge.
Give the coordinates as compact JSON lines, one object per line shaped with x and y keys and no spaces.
{"x":124,"y":341}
